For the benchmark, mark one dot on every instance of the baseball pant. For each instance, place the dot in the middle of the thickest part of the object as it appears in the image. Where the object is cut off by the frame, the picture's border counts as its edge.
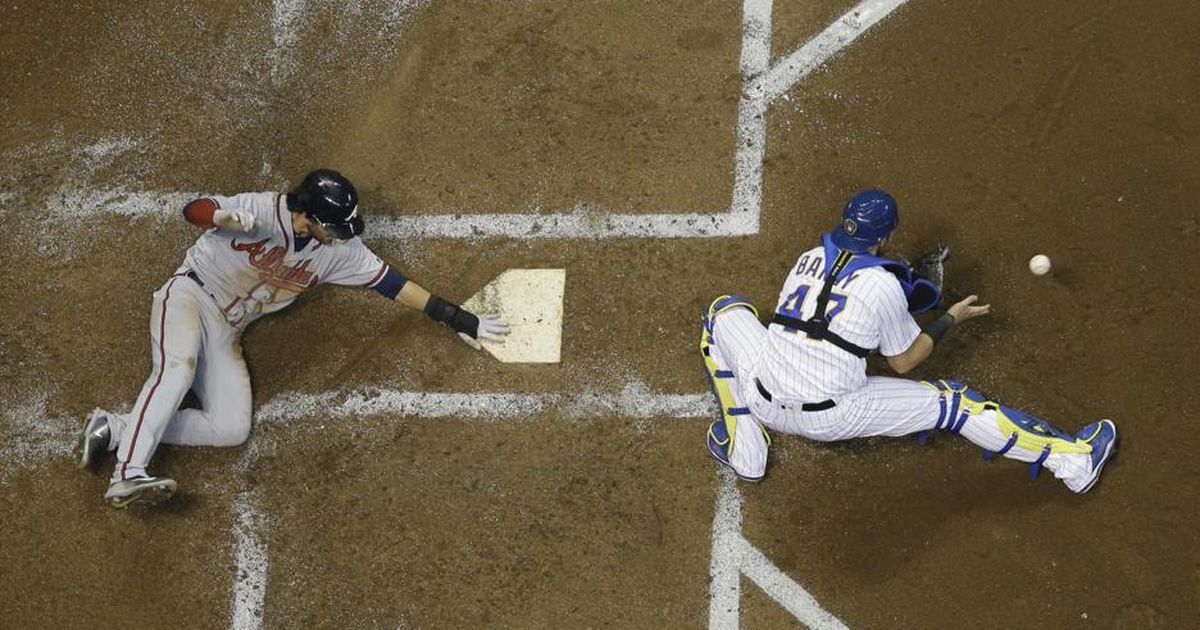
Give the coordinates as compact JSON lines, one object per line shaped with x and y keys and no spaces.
{"x":192,"y":347}
{"x":884,"y":406}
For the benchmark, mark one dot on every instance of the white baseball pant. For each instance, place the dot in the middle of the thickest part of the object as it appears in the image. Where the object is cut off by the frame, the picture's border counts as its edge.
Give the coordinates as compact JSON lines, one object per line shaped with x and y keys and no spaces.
{"x":192,"y":347}
{"x":885,"y":406}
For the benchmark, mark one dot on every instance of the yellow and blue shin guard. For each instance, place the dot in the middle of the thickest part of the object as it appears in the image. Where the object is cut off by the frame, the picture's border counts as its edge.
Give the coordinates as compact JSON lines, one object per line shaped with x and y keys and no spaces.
{"x":722,"y":431}
{"x":957,"y":402}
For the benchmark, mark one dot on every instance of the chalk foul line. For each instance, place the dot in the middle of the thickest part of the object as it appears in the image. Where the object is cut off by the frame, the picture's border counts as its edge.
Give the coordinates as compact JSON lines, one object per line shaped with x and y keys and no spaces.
{"x":782,"y":76}
{"x":734,"y":556}
{"x":250,"y":556}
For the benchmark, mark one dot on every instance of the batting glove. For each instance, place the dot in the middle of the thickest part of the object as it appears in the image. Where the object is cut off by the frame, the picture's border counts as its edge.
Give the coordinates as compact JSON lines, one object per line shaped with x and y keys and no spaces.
{"x":234,"y":220}
{"x":491,"y":328}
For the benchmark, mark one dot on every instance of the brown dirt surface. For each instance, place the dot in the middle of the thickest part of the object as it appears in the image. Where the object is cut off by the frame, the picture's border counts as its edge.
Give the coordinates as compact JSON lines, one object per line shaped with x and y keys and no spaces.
{"x":1006,"y":129}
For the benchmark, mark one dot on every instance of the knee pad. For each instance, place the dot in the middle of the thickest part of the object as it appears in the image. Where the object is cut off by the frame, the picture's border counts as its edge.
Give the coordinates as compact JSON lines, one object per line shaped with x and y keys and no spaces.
{"x":958,"y":401}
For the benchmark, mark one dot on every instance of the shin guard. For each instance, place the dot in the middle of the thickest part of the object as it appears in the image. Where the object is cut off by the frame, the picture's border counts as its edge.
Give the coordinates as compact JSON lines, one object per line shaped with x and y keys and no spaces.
{"x":958,"y":402}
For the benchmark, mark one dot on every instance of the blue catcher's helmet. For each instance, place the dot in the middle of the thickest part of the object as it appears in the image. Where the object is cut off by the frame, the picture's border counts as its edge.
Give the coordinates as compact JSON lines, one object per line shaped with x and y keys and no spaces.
{"x":867,"y":219}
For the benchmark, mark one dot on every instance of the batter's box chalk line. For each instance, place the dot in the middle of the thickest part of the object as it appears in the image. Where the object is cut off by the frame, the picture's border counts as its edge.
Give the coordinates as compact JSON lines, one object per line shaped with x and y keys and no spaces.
{"x":762,"y":84}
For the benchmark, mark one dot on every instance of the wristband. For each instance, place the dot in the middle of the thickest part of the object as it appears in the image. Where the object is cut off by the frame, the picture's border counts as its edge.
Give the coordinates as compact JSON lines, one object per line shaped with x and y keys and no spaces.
{"x":452,"y":315}
{"x":938,"y":329}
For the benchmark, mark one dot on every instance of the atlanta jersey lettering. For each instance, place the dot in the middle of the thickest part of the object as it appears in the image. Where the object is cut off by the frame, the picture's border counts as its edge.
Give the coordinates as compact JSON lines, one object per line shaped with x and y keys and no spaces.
{"x":252,"y":274}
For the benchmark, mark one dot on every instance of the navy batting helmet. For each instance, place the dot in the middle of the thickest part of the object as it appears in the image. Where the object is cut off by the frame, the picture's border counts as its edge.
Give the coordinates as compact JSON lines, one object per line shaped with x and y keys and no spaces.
{"x":867,"y":219}
{"x":328,"y":198}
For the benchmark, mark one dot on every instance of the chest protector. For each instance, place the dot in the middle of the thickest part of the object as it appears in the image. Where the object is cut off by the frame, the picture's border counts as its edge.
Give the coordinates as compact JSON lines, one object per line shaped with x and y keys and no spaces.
{"x":922,"y":294}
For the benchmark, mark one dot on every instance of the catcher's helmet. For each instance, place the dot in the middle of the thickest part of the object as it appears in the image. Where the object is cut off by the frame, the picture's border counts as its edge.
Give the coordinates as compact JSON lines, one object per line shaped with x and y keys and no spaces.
{"x":328,"y":198}
{"x":867,"y":219}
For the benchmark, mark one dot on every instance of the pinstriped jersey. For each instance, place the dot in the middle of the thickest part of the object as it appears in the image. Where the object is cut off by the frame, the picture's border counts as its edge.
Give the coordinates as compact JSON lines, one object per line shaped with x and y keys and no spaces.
{"x":867,"y":308}
{"x":252,"y":274}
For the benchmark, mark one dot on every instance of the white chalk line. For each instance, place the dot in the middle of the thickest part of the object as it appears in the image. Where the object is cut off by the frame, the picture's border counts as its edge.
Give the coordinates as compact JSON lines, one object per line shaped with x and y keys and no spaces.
{"x":33,"y":434}
{"x":634,"y":401}
{"x":762,"y":84}
{"x":285,"y":15}
{"x":782,"y":76}
{"x":251,"y":561}
{"x":724,"y":568}
{"x":734,"y":556}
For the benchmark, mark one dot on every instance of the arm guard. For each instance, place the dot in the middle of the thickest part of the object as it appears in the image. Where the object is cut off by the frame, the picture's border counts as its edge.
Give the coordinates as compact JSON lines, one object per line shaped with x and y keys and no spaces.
{"x":452,"y":315}
{"x":938,"y":329}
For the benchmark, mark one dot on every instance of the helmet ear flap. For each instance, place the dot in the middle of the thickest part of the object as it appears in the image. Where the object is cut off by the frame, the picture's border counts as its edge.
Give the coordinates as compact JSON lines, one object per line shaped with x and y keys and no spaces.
{"x":297,"y":201}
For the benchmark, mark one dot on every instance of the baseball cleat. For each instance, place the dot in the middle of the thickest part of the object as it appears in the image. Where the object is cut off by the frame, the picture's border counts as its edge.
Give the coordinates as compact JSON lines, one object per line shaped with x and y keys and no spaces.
{"x":145,"y":489}
{"x":94,"y":439}
{"x":1102,"y":436}
{"x":718,"y":447}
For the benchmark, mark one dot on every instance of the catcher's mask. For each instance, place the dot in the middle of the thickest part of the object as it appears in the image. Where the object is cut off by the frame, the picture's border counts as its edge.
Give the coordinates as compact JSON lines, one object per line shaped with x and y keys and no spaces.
{"x":329,"y":199}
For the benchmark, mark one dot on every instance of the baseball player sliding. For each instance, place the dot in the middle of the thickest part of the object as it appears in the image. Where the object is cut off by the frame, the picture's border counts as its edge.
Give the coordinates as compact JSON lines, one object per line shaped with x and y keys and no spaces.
{"x":259,"y":253}
{"x":805,"y":372}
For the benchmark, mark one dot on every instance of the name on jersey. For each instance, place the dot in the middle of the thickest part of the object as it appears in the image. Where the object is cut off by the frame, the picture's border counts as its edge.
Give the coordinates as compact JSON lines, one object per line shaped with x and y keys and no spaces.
{"x":269,"y":263}
{"x":812,"y":266}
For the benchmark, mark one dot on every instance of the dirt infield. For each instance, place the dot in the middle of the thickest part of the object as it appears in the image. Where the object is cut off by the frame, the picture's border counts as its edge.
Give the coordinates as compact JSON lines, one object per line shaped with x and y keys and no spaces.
{"x":1006,"y":129}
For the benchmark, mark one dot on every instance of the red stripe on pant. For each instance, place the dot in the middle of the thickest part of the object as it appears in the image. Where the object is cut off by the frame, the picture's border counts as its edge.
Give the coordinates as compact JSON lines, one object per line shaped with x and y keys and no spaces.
{"x":162,"y":367}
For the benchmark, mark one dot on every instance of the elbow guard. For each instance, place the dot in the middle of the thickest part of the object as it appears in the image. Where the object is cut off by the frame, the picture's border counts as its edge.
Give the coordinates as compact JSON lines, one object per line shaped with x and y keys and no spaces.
{"x":199,"y":212}
{"x":452,"y":315}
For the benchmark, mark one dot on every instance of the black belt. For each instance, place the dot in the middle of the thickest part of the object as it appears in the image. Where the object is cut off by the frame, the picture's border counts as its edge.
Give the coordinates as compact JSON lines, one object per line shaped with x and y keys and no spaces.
{"x":821,"y":406}
{"x":192,"y":274}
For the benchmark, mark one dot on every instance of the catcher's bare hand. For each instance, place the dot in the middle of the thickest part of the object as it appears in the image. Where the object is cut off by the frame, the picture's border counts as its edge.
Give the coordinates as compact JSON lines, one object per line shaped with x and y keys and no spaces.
{"x":234,"y":220}
{"x":491,"y":327}
{"x":966,"y":309}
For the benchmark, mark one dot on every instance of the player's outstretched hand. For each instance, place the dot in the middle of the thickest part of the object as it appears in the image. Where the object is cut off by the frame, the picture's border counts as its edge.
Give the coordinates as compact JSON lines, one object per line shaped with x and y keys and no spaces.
{"x":491,"y":328}
{"x":966,"y":309}
{"x":234,"y":220}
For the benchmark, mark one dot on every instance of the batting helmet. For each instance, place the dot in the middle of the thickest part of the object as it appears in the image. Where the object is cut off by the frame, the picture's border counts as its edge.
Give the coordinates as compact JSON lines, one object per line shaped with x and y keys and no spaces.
{"x":328,"y":198}
{"x":867,"y":219}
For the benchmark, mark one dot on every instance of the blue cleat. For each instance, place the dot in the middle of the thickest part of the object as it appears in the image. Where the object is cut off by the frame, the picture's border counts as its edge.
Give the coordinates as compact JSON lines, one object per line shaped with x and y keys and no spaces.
{"x":718,"y":447}
{"x":1102,"y":436}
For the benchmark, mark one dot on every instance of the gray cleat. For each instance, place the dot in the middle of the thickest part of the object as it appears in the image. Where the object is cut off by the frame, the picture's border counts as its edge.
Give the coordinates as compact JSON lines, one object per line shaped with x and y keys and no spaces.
{"x":94,"y":439}
{"x":147,"y":489}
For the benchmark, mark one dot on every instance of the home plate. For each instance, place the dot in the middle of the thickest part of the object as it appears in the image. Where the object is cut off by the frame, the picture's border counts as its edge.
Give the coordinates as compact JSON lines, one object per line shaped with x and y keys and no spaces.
{"x":531,"y":301}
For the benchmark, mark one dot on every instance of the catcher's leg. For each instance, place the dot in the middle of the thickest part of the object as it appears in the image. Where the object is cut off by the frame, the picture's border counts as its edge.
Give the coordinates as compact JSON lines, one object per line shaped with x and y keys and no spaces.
{"x":731,"y":331}
{"x":1002,"y":430}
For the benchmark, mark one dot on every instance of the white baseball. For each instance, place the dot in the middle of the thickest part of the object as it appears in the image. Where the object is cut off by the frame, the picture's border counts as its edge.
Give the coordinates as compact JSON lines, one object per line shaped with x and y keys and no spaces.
{"x":1040,"y":265}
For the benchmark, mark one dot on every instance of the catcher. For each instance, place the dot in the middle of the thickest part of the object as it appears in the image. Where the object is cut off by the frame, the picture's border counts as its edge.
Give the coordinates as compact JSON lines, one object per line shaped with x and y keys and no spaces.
{"x":805,"y":373}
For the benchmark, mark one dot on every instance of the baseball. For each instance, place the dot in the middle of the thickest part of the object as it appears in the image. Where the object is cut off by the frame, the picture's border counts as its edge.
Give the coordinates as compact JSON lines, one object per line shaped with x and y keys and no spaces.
{"x":1039,"y":265}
